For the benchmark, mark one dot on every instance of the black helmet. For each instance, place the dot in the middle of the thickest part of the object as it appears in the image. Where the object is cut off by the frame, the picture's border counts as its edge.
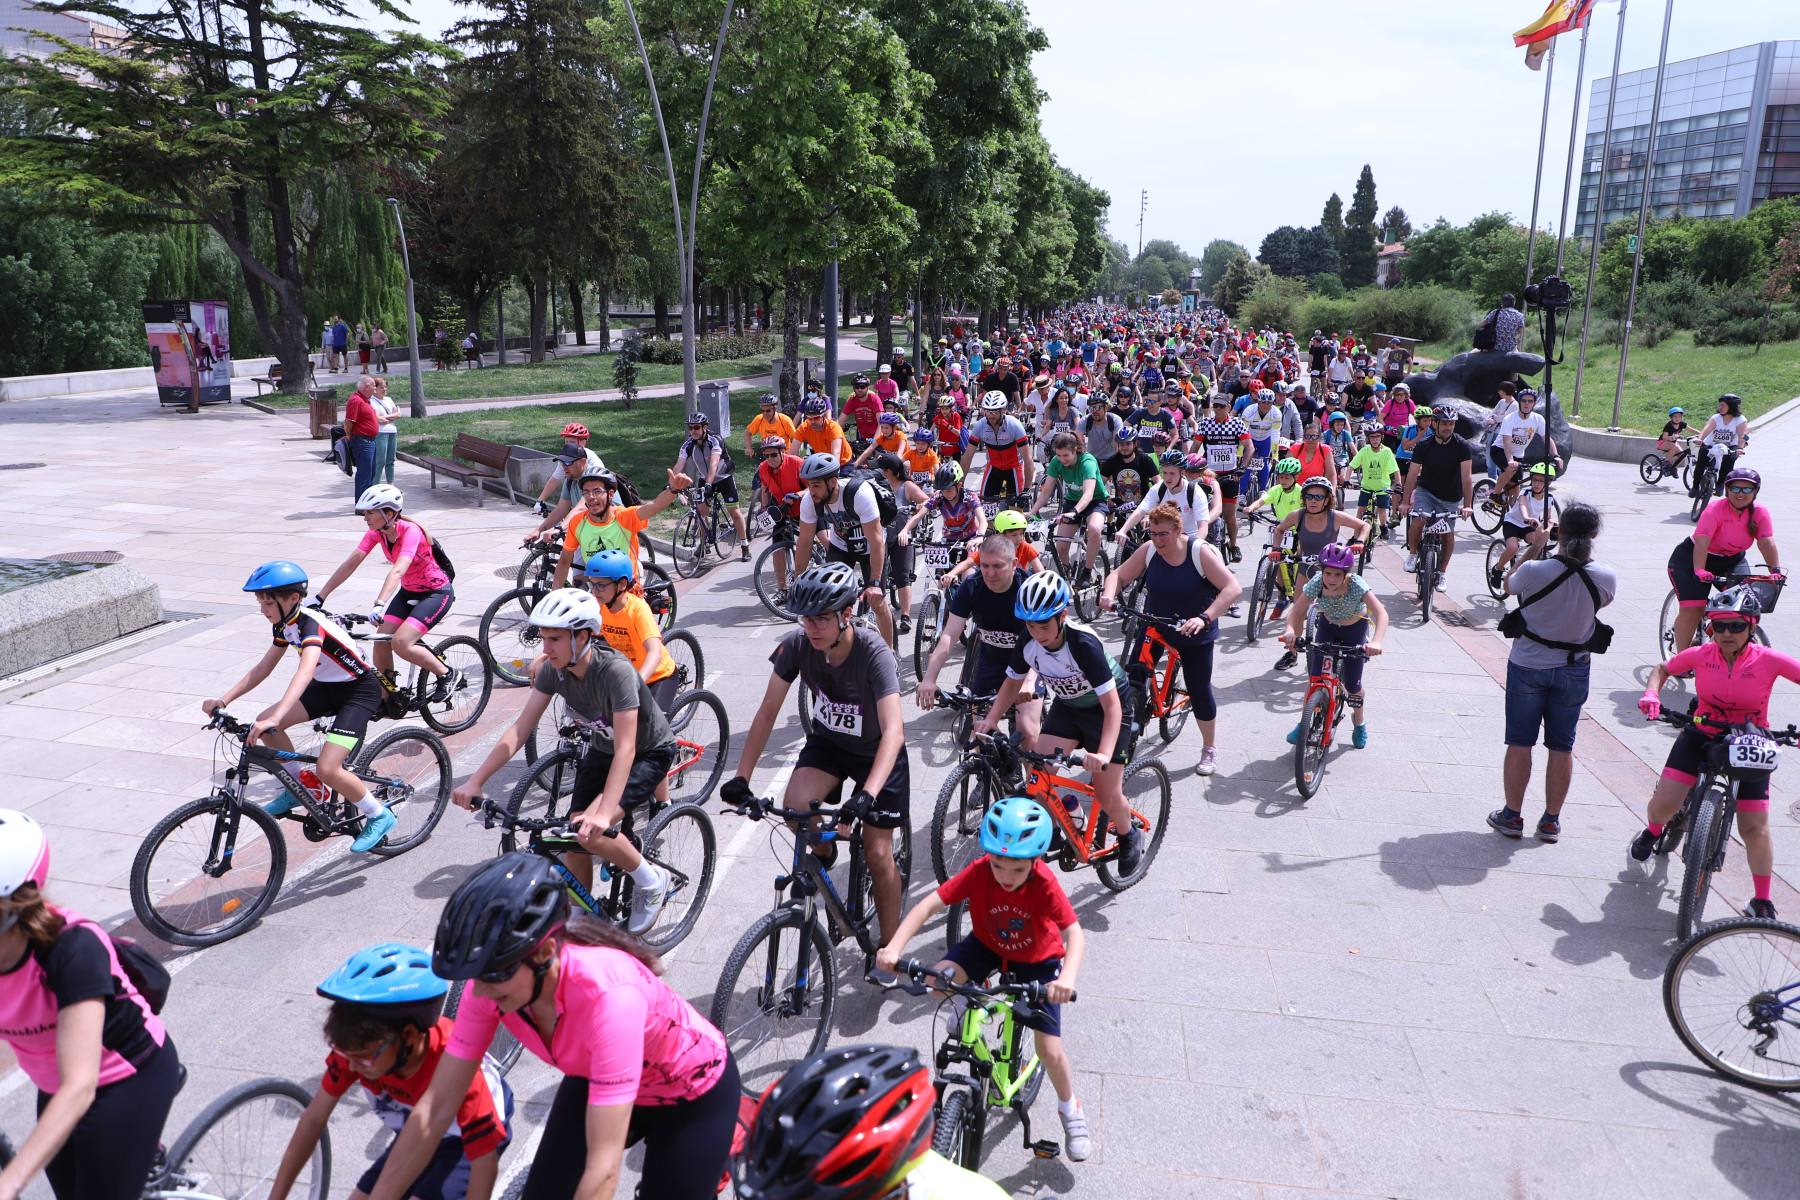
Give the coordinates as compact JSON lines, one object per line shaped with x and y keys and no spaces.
{"x":828,"y":588}
{"x":1733,"y":401}
{"x":946,"y":476}
{"x":498,"y":915}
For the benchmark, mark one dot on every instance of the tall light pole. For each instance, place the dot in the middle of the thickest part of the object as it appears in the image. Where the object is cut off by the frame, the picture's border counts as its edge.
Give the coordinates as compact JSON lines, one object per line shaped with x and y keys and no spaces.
{"x":417,"y":387}
{"x":1143,"y":204}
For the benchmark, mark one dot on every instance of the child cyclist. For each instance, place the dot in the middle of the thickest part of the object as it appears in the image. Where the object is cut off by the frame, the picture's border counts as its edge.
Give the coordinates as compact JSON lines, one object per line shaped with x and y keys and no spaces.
{"x":332,"y":680}
{"x":387,"y":1033}
{"x":1021,"y":923}
{"x":1673,"y":430}
{"x":1376,"y":468}
{"x":1527,"y":519}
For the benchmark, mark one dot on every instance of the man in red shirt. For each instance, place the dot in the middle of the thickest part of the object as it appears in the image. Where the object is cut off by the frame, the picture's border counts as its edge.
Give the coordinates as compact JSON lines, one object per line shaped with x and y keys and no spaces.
{"x":361,"y":427}
{"x":863,"y":407}
{"x":778,"y":477}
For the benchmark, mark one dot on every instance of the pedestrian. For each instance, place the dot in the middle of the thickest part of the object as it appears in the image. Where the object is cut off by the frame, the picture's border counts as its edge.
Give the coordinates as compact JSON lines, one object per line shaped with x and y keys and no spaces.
{"x":387,"y":438}
{"x":361,"y":428}
{"x":340,"y":343}
{"x":325,"y":344}
{"x":363,"y":345}
{"x":1509,"y":323}
{"x":1556,"y":630}
{"x":378,"y":340}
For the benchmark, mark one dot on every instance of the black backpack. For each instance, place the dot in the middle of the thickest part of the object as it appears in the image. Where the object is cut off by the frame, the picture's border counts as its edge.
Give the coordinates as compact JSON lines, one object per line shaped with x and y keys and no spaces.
{"x":1485,"y":337}
{"x":884,"y":495}
{"x":1512,"y":623}
{"x":147,"y":976}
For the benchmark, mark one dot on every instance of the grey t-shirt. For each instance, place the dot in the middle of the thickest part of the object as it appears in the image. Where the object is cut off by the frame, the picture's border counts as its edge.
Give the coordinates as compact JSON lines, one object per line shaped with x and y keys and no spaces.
{"x":1565,"y":615}
{"x":608,"y":685}
{"x":844,"y":697}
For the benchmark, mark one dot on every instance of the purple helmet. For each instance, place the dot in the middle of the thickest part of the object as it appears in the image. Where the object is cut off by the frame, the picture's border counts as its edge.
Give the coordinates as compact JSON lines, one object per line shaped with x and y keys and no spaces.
{"x":1746,"y":474}
{"x":1338,"y":557}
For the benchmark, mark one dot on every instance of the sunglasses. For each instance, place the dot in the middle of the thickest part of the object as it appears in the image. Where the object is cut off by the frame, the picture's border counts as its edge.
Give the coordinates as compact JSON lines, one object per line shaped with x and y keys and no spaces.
{"x":1730,"y":626}
{"x":368,"y":1056}
{"x":499,"y":974}
{"x":1742,"y":489}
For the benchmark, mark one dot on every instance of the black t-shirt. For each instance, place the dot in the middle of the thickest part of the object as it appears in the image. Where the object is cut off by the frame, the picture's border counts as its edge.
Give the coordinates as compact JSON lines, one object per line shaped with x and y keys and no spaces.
{"x":903,"y":376}
{"x":1128,"y":477}
{"x":1149,"y":424}
{"x":1439,"y":467}
{"x":1007,"y":384}
{"x":991,"y":611}
{"x":1318,"y":352}
{"x":1308,"y":408}
{"x":76,"y":968}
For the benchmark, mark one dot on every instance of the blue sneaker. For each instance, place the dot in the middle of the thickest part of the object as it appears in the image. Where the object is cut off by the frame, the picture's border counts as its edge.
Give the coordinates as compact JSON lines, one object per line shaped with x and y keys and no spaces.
{"x":281,"y":805}
{"x":374,"y":829}
{"x":1359,"y":736}
{"x":1293,"y":735}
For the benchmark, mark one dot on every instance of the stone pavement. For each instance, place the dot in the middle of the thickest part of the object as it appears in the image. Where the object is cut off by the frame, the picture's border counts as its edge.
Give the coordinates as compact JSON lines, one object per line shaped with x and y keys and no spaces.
{"x":1367,"y":994}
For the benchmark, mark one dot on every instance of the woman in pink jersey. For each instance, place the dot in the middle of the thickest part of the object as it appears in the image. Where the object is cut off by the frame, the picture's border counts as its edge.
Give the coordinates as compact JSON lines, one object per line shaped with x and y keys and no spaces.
{"x":1724,"y":534}
{"x":640,"y":1064}
{"x":1733,"y":677}
{"x":105,"y":1069}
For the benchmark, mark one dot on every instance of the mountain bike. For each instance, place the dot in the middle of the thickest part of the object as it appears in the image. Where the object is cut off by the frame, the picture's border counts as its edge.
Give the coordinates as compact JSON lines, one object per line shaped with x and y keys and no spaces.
{"x":784,"y":533}
{"x":1732,"y":994}
{"x":1069,"y":550}
{"x":447,"y":709}
{"x":776,"y":994}
{"x":1276,"y":580}
{"x":970,"y":708}
{"x":1321,"y":710}
{"x":690,"y":676}
{"x":209,"y":870}
{"x":1428,"y":572}
{"x":1740,"y":751}
{"x":698,"y":534}
{"x":538,"y":566}
{"x":1765,"y":583}
{"x":1155,"y":672}
{"x":1488,"y":508}
{"x":1529,"y":551}
{"x":231,"y":1150}
{"x":1653,"y":468}
{"x":511,"y":640}
{"x":1705,"y":480}
{"x":983,"y":1064}
{"x":935,"y":559}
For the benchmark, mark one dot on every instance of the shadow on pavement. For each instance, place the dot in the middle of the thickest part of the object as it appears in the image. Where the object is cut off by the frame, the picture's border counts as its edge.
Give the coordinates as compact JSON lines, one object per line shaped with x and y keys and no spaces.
{"x":1627,"y":926}
{"x":1753,"y":1151}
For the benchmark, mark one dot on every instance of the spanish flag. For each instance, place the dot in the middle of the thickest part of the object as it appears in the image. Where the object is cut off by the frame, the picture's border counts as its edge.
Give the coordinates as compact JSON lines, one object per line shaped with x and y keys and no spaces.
{"x":1559,"y":17}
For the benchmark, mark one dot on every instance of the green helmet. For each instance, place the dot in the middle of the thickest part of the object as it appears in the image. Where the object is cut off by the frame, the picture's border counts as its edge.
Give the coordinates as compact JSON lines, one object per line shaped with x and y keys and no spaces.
{"x":1288,"y":466}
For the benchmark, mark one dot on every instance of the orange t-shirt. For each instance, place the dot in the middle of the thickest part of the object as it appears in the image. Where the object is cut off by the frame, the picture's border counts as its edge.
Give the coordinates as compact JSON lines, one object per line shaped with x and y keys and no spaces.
{"x":919,"y":462}
{"x":818,"y":440}
{"x":1027,"y":554}
{"x":890,"y":443}
{"x":780,"y":425}
{"x":629,"y":630}
{"x":621,"y":533}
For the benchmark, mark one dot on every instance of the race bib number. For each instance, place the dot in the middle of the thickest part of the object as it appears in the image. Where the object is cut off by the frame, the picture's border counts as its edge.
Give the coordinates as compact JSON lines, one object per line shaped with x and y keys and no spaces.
{"x":836,"y":717}
{"x":1068,"y":687}
{"x":999,"y":639}
{"x":937,"y":558}
{"x":1222,"y":458}
{"x":762,"y":523}
{"x":1753,"y":754}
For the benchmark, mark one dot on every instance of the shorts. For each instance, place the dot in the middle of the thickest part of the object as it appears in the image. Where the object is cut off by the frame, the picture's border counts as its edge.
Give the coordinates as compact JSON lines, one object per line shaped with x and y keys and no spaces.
{"x":1426,"y":504}
{"x":1082,"y":724}
{"x":647,"y":770}
{"x":978,"y":963}
{"x":1098,"y":504}
{"x":990,"y":668}
{"x":1001,"y":483}
{"x":1497,"y":461}
{"x":841,"y":554}
{"x":1228,"y":488}
{"x":1689,"y":590}
{"x":899,"y":559}
{"x":1550,"y":697}
{"x":1687,"y":758}
{"x":445,"y":1177}
{"x":1509,"y":530}
{"x":351,"y":704}
{"x":423,"y":609}
{"x":724,"y":488}
{"x":891,"y":803}
{"x":1381,"y":500}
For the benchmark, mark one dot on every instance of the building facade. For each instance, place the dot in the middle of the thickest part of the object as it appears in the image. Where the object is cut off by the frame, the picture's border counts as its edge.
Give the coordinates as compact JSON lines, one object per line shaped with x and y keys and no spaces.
{"x":1728,"y":137}
{"x":23,"y":30}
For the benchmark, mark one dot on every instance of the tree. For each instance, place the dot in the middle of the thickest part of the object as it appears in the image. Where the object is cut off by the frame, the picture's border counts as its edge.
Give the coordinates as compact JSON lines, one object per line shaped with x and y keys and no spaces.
{"x":1362,"y":200}
{"x":1395,"y":227}
{"x":69,"y":294}
{"x":1273,"y":303}
{"x":1280,"y":250}
{"x":1174,"y":257}
{"x":1150,"y":274}
{"x":1332,"y":219}
{"x":1240,"y":279}
{"x":1772,"y":220}
{"x":1727,"y":252}
{"x":1358,"y":250}
{"x":1218,"y":255}
{"x":214,"y":114}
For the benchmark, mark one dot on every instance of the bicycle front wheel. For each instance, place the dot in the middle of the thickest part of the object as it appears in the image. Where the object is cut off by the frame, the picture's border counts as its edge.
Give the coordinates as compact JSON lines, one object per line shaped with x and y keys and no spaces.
{"x":1495,"y":549}
{"x":1426,"y":577}
{"x":465,"y":703}
{"x":409,"y":771}
{"x":1698,"y":858}
{"x":659,"y":594}
{"x":1701,"y":492}
{"x":538,"y":567}
{"x":775,"y":996}
{"x":926,"y":630}
{"x":1146,"y":787}
{"x":1723,"y":993}
{"x":1488,"y":508}
{"x":504,"y":1049}
{"x":690,"y":663}
{"x":680,"y":840}
{"x":208,"y":871}
{"x":950,"y":1139}
{"x":1309,"y":747}
{"x":234,"y":1146}
{"x":508,"y":636}
{"x":1261,"y":587}
{"x":956,"y":821}
{"x":702,"y":736}
{"x":1665,"y":628}
{"x":773,"y":597}
{"x":691,"y":543}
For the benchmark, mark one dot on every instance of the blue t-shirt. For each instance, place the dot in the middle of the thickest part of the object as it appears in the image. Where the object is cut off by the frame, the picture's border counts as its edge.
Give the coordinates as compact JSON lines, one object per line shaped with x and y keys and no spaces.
{"x":1087,"y":351}
{"x":1401,"y":453}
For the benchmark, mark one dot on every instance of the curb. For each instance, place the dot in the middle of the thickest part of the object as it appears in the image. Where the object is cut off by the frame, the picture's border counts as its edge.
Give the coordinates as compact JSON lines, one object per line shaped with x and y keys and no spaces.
{"x":1627,"y":447}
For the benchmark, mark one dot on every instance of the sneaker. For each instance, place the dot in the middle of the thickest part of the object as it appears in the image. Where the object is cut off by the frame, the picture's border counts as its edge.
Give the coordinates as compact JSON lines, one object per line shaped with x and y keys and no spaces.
{"x":1549,"y":828}
{"x":1507,"y":822}
{"x":1131,"y":852}
{"x":1643,"y":845}
{"x":1496,"y":577}
{"x":1076,"y":1142}
{"x":1209,"y":762}
{"x":1235,"y":610}
{"x":1359,"y":736}
{"x":1761,"y":910}
{"x":744,"y":551}
{"x":374,"y":829}
{"x":1286,"y":660}
{"x":1235,"y":555}
{"x":451,"y":681}
{"x":1280,"y":609}
{"x":647,"y":902}
{"x":905,"y":624}
{"x":1412,"y":562}
{"x":1437,"y":585}
{"x":281,"y":805}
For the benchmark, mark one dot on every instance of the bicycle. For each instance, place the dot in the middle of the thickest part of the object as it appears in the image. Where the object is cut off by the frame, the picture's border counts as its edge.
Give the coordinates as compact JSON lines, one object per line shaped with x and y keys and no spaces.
{"x":1704,"y":480}
{"x":1320,"y":712}
{"x":1488,"y":509}
{"x":510,"y":640}
{"x":689,"y":676}
{"x":698,"y":533}
{"x":936,"y":558}
{"x":784,"y":534}
{"x":793,"y":1001}
{"x":1653,"y":468}
{"x":1741,"y":750}
{"x":1156,"y":671}
{"x":1427,"y":573}
{"x":1529,"y":551}
{"x":987,"y":1042}
{"x":1069,"y":550}
{"x":231,"y":1150}
{"x":1766,"y":584}
{"x":185,"y":878}
{"x":1732,"y":993}
{"x":1275,"y":578}
{"x":454,"y":712}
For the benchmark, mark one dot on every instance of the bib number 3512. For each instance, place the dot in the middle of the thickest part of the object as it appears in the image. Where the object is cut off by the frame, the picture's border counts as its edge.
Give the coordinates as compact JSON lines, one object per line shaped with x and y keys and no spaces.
{"x":1753,"y":754}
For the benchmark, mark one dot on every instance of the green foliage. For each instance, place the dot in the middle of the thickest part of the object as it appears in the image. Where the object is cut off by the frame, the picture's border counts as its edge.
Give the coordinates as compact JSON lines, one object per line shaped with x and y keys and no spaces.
{"x":1395,"y":225}
{"x":69,"y":294}
{"x":1728,"y":252}
{"x":1331,"y":220}
{"x":1426,"y":312}
{"x":1149,"y":274}
{"x":1298,"y":253}
{"x":1239,"y":280}
{"x":1495,"y":264}
{"x":1326,"y":284}
{"x":1773,"y":220}
{"x":1273,"y":303}
{"x":1739,"y":316}
{"x":1333,"y":314}
{"x":707,"y":349}
{"x":1174,"y":257}
{"x":1218,"y":255}
{"x":1485,"y":257}
{"x":625,"y":367}
{"x":1362,"y":200}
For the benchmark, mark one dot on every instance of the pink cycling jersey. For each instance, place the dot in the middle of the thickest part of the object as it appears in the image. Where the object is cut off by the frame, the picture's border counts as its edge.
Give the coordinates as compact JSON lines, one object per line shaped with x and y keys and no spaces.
{"x":1730,"y":531}
{"x":626,"y":1032}
{"x":423,"y":574}
{"x":1735,"y":692}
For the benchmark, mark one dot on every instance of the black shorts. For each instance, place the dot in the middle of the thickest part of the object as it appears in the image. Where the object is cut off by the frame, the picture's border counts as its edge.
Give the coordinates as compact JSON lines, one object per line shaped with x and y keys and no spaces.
{"x":1496,"y":461}
{"x":423,"y":609}
{"x":1228,"y":488}
{"x":350,"y":703}
{"x":724,"y":488}
{"x":899,"y":559}
{"x":990,"y":668}
{"x":1098,"y":504}
{"x":1082,"y":724}
{"x":891,"y":803}
{"x":837,"y":553}
{"x":1002,"y":483}
{"x":1381,"y":500}
{"x":1509,"y":530}
{"x":1687,"y":759}
{"x":1689,"y":590}
{"x":647,"y":770}
{"x":978,"y":963}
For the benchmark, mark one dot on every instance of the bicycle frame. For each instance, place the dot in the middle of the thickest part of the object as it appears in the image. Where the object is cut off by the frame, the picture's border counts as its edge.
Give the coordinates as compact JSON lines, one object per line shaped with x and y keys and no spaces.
{"x":1159,"y":670}
{"x":991,"y":1074}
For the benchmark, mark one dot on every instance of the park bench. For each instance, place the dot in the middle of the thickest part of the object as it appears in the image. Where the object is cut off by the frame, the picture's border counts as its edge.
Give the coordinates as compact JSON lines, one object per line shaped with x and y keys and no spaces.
{"x":274,"y":377}
{"x":474,"y":462}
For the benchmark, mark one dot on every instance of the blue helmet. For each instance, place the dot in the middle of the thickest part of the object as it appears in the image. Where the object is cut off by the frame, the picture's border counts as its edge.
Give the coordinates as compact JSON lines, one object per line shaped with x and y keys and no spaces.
{"x":611,"y":565}
{"x":1041,"y":597}
{"x":278,"y":574}
{"x":392,"y":976}
{"x":1016,"y":827}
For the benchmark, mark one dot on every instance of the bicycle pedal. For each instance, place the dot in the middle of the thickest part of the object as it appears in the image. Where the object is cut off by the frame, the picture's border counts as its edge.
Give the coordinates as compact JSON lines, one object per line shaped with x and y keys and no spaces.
{"x":1045,"y":1148}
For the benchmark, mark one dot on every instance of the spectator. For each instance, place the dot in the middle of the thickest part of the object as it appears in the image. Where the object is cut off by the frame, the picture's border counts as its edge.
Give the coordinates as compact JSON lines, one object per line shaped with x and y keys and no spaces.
{"x":1547,"y":671}
{"x":471,"y":348}
{"x":363,"y":345}
{"x":387,"y":438}
{"x":1509,"y":323}
{"x":340,"y":344}
{"x":361,"y":428}
{"x":325,"y":344}
{"x":378,"y":341}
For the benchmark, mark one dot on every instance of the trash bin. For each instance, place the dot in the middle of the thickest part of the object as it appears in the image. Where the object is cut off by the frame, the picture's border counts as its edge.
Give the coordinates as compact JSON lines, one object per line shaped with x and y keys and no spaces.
{"x":715,"y":402}
{"x":321,"y":405}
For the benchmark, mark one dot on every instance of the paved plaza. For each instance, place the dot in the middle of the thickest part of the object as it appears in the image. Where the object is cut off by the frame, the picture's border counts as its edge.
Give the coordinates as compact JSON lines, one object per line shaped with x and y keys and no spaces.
{"x":1365,"y":994}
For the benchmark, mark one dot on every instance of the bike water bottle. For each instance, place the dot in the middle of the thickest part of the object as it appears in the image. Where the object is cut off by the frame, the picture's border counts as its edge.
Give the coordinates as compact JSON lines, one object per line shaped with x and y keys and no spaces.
{"x":1072,"y":802}
{"x":314,"y":785}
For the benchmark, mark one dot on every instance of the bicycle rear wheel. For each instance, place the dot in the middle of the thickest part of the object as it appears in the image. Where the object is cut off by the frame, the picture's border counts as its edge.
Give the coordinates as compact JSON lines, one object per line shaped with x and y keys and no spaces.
{"x":1496,"y":548}
{"x":465,"y":704}
{"x":504,"y":1049}
{"x":1702,"y":489}
{"x":1261,"y":586}
{"x":1650,"y":467}
{"x":926,"y":630}
{"x":1488,"y":510}
{"x":680,"y":840}
{"x":1309,"y":747}
{"x":690,"y":663}
{"x":773,"y":597}
{"x":544,"y":792}
{"x":1722,"y":992}
{"x":659,"y":594}
{"x":702,"y":737}
{"x":508,"y":636}
{"x":234,"y":1146}
{"x":772,"y":1012}
{"x":409,"y":771}
{"x":1701,"y":852}
{"x":543,"y":739}
{"x":208,"y":871}
{"x":1146,"y":787}
{"x":537,"y":567}
{"x":1665,"y":628}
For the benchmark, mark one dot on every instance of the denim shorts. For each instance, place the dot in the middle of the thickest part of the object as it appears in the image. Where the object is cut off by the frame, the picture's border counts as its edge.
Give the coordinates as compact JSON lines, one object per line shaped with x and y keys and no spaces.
{"x":1548,"y":697}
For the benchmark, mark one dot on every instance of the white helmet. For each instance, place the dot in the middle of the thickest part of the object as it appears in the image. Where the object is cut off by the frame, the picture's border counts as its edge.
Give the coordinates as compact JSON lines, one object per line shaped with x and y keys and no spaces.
{"x":381,"y":495}
{"x":567,"y":608}
{"x":995,"y":401}
{"x":24,"y":852}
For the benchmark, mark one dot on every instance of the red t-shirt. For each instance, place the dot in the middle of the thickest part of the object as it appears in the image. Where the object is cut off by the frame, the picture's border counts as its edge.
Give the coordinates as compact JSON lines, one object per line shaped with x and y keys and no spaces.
{"x":359,"y":417}
{"x":478,"y":1123}
{"x":780,"y":478}
{"x":865,"y":411}
{"x":1023,"y":926}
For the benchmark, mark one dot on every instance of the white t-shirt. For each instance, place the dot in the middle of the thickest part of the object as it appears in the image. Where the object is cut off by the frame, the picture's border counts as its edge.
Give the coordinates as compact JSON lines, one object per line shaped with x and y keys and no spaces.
{"x":385,"y":408}
{"x":1527,"y":508}
{"x":1728,"y":431}
{"x":1516,"y":432}
{"x":841,"y":530}
{"x":1193,"y":511}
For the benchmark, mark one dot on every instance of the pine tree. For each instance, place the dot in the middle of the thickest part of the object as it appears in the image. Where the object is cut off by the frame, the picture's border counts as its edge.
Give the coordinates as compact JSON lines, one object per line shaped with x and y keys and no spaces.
{"x":1332,"y":220}
{"x":1359,"y":250}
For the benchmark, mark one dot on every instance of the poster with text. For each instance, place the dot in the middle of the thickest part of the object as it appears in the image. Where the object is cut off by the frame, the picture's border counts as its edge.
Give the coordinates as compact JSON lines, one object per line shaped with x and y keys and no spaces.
{"x":190,"y":349}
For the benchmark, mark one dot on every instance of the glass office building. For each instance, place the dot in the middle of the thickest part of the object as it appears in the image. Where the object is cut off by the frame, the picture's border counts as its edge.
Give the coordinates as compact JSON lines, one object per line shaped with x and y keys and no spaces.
{"x":1728,"y":137}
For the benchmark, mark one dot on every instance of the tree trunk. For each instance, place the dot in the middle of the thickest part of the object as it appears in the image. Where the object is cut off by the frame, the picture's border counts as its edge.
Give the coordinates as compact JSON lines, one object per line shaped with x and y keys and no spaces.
{"x":603,"y":302}
{"x":538,"y":288}
{"x":884,"y":323}
{"x":790,"y":338}
{"x":662,"y":315}
{"x":576,"y":314}
{"x":500,"y":325}
{"x":846,"y":311}
{"x":813,"y":314}
{"x":766,"y":292}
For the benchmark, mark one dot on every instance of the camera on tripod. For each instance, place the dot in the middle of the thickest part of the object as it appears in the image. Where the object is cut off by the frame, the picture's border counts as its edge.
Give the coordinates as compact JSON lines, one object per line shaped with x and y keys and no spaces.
{"x":1550,"y":292}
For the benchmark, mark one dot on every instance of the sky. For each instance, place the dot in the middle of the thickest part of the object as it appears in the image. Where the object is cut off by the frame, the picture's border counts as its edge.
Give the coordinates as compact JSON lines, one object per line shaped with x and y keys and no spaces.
{"x":1184,"y":98}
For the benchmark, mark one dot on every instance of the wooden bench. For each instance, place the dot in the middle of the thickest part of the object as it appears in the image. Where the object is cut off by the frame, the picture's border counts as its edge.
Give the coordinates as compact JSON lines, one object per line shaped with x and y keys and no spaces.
{"x":476,"y":460}
{"x":276,"y":374}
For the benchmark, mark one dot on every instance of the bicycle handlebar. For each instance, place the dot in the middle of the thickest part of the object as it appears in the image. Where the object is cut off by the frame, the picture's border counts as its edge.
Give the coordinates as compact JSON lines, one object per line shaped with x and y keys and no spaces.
{"x":1681,"y":720}
{"x":1033,"y":993}
{"x":553,"y":829}
{"x":832,"y":815}
{"x":963,"y":700}
{"x":1057,"y":758}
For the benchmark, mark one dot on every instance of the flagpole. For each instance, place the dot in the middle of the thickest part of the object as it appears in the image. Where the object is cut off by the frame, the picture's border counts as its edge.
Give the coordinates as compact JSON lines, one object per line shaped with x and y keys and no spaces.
{"x":1538,"y":184}
{"x":1637,"y":258}
{"x":1562,"y":221}
{"x":1587,"y":293}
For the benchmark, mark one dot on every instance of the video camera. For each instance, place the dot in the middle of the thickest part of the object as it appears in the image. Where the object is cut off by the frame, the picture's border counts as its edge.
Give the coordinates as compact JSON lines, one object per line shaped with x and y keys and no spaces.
{"x":1550,"y":292}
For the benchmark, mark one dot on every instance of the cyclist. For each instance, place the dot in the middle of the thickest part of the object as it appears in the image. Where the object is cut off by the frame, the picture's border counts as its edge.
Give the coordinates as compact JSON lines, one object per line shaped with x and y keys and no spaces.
{"x":1339,"y":440}
{"x":575,"y":438}
{"x":1010,"y":524}
{"x":1004,"y":441}
{"x":417,"y":586}
{"x":387,"y":1032}
{"x":882,"y":1095}
{"x":1101,"y":429}
{"x":629,"y":626}
{"x":1733,"y":677}
{"x":909,"y":498}
{"x":1315,"y":526}
{"x":1439,"y":485}
{"x":1514,"y":439}
{"x":777,"y":478}
{"x":960,"y":516}
{"x":768,"y":422}
{"x":1725,"y":531}
{"x":988,"y":598}
{"x":104,"y":1066}
{"x":1083,"y":498}
{"x":890,"y":438}
{"x":627,"y":760}
{"x":818,"y":432}
{"x":864,"y":408}
{"x":1226,"y":442}
{"x":1397,"y":414}
{"x":1725,"y":435}
{"x":1187,"y":582}
{"x":331,"y":680}
{"x":858,"y":734}
{"x":1350,"y":614}
{"x":638,"y":1063}
{"x":1190,"y":498}
{"x":920,"y":456}
{"x":853,"y":530}
{"x":1021,"y":926}
{"x":1129,"y":471}
{"x":1283,"y":499}
{"x":1314,"y":457}
{"x":1154,"y":417}
{"x":600,"y":524}
{"x":1263,"y":420}
{"x":704,"y":459}
{"x":1376,"y":468}
{"x":1084,"y":680}
{"x":1527,"y":519}
{"x":1673,"y":430}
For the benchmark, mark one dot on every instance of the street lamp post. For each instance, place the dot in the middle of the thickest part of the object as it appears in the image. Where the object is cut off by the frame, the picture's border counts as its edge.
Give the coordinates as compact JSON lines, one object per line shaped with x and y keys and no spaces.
{"x":417,"y":388}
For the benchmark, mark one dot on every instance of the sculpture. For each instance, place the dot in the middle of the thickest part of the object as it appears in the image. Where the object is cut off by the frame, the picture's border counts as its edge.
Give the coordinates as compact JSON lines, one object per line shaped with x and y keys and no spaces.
{"x":1473,"y":378}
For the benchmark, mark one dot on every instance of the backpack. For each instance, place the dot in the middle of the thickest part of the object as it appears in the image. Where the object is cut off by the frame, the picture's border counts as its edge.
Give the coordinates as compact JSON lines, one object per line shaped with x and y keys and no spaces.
{"x":884,"y":495}
{"x":148,"y":977}
{"x":437,"y":552}
{"x":626,"y":493}
{"x":1513,"y":625}
{"x":1485,"y":337}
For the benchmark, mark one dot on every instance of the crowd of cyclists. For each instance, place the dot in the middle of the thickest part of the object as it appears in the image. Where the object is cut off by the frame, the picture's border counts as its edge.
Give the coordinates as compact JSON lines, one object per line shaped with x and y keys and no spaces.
{"x":1097,"y":463}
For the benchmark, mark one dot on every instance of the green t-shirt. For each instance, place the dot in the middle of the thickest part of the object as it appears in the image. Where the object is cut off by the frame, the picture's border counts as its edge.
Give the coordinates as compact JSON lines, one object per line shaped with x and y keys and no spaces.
{"x":1072,"y":478}
{"x":1378,"y":467}
{"x":1281,"y":501}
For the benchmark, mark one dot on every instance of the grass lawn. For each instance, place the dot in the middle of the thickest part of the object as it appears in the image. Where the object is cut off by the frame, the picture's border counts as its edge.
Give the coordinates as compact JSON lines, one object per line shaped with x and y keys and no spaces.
{"x":579,"y":373}
{"x":902,"y":338}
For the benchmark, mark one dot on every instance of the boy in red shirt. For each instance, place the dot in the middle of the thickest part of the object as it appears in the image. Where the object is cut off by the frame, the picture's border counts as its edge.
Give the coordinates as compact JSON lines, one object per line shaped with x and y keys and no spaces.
{"x":1021,"y":923}
{"x":863,"y":407}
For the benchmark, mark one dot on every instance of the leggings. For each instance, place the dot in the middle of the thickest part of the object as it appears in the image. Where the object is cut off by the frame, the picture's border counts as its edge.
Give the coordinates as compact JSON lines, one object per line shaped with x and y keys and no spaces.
{"x":686,"y":1144}
{"x":1196,"y":672}
{"x":108,"y":1156}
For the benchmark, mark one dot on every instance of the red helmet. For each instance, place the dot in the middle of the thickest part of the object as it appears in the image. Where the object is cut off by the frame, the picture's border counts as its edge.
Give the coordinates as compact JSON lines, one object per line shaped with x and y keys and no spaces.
{"x":574,"y":429}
